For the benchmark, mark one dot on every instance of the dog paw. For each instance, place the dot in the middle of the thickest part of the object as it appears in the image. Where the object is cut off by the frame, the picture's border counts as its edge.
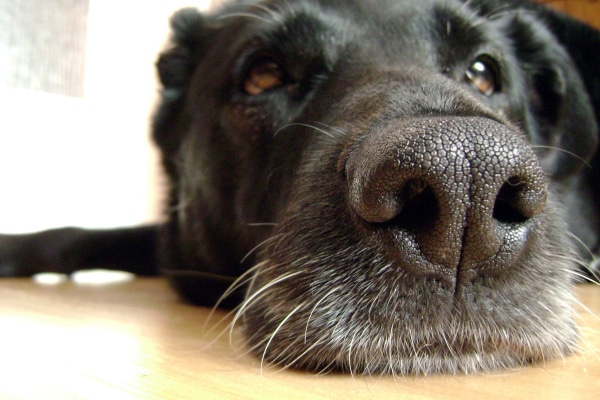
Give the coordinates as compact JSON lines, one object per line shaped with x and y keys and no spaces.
{"x":28,"y":254}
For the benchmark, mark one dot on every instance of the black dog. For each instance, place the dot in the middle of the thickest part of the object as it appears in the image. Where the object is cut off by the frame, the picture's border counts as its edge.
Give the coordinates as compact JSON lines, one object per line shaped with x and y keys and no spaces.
{"x":392,"y":181}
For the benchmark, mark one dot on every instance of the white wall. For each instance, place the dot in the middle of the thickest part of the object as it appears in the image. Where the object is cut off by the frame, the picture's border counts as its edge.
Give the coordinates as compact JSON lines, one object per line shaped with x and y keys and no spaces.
{"x":88,"y":161}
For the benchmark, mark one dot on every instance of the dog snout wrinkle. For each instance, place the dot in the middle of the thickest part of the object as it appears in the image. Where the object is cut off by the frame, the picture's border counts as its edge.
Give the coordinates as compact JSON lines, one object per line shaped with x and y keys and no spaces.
{"x":450,"y":192}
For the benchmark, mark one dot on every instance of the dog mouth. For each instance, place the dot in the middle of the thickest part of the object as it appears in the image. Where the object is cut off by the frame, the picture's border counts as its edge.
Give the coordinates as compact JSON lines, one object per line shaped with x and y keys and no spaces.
{"x":404,"y":267}
{"x":379,"y":320}
{"x":416,"y":231}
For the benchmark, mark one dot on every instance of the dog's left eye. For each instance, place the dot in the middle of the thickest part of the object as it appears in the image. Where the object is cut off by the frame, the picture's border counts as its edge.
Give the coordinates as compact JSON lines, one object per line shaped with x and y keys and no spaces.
{"x":263,"y":75}
{"x":483,"y":75}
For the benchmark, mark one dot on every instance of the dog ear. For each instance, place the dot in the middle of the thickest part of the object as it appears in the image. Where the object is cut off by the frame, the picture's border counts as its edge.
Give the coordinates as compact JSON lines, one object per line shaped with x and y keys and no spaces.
{"x":191,"y":32}
{"x":175,"y":65}
{"x":562,"y":66}
{"x":582,"y":42}
{"x":560,"y":57}
{"x":561,"y":89}
{"x":578,"y":116}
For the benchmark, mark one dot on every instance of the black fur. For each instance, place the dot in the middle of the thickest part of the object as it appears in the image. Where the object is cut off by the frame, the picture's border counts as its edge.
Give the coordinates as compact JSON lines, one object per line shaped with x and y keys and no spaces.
{"x":380,"y":213}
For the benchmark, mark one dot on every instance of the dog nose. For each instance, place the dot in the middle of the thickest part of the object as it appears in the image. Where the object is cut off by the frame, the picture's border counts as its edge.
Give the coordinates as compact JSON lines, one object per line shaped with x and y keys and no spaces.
{"x":447,"y":192}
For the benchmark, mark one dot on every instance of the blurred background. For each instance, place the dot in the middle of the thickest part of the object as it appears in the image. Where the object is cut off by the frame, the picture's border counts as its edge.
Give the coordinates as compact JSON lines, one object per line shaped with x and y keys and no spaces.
{"x":77,"y":88}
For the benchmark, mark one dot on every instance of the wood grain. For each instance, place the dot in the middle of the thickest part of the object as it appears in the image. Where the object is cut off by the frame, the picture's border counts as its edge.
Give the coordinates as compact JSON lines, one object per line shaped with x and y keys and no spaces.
{"x":136,"y":340}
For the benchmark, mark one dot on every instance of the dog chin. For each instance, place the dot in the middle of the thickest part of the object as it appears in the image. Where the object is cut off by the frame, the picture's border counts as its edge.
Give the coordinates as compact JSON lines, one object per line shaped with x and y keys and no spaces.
{"x":351,"y":307}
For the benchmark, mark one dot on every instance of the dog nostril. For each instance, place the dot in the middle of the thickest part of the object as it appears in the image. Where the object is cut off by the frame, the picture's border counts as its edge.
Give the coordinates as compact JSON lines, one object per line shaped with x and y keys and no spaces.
{"x":419,"y":206}
{"x":517,"y":201}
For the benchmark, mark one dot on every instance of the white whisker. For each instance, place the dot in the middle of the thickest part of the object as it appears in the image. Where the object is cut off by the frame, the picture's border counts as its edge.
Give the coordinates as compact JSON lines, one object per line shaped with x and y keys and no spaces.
{"x":338,"y":131}
{"x":289,"y":364}
{"x":264,"y":354}
{"x":313,"y":310}
{"x":238,"y":283}
{"x":258,"y":246}
{"x":244,"y":15}
{"x":584,"y":161}
{"x":324,"y":132}
{"x":250,"y":300}
{"x":261,"y":224}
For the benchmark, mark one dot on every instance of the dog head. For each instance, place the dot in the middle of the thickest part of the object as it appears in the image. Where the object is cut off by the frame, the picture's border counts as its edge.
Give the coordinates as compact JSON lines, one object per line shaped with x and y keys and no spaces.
{"x":382,"y":177}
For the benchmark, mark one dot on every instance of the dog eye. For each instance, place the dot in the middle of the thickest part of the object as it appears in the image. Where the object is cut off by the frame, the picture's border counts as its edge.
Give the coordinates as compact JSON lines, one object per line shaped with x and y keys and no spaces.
{"x":483,"y":75}
{"x":263,"y":75}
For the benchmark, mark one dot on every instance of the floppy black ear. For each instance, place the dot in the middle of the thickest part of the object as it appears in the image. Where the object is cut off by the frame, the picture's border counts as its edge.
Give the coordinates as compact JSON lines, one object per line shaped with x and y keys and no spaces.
{"x":582,"y":43}
{"x":561,"y":57}
{"x":191,"y":32}
{"x":175,"y":65}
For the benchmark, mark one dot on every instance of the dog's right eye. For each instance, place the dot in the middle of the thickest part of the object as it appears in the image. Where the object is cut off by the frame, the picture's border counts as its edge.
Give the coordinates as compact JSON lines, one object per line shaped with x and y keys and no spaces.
{"x":263,"y":75}
{"x":483,"y":75}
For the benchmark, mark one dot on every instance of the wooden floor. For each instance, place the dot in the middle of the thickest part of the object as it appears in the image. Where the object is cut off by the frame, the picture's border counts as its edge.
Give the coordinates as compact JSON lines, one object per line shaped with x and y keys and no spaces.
{"x":135,"y":340}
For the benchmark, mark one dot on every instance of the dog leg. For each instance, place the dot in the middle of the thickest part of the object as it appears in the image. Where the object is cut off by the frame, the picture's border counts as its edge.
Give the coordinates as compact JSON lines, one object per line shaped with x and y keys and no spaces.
{"x":67,"y":250}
